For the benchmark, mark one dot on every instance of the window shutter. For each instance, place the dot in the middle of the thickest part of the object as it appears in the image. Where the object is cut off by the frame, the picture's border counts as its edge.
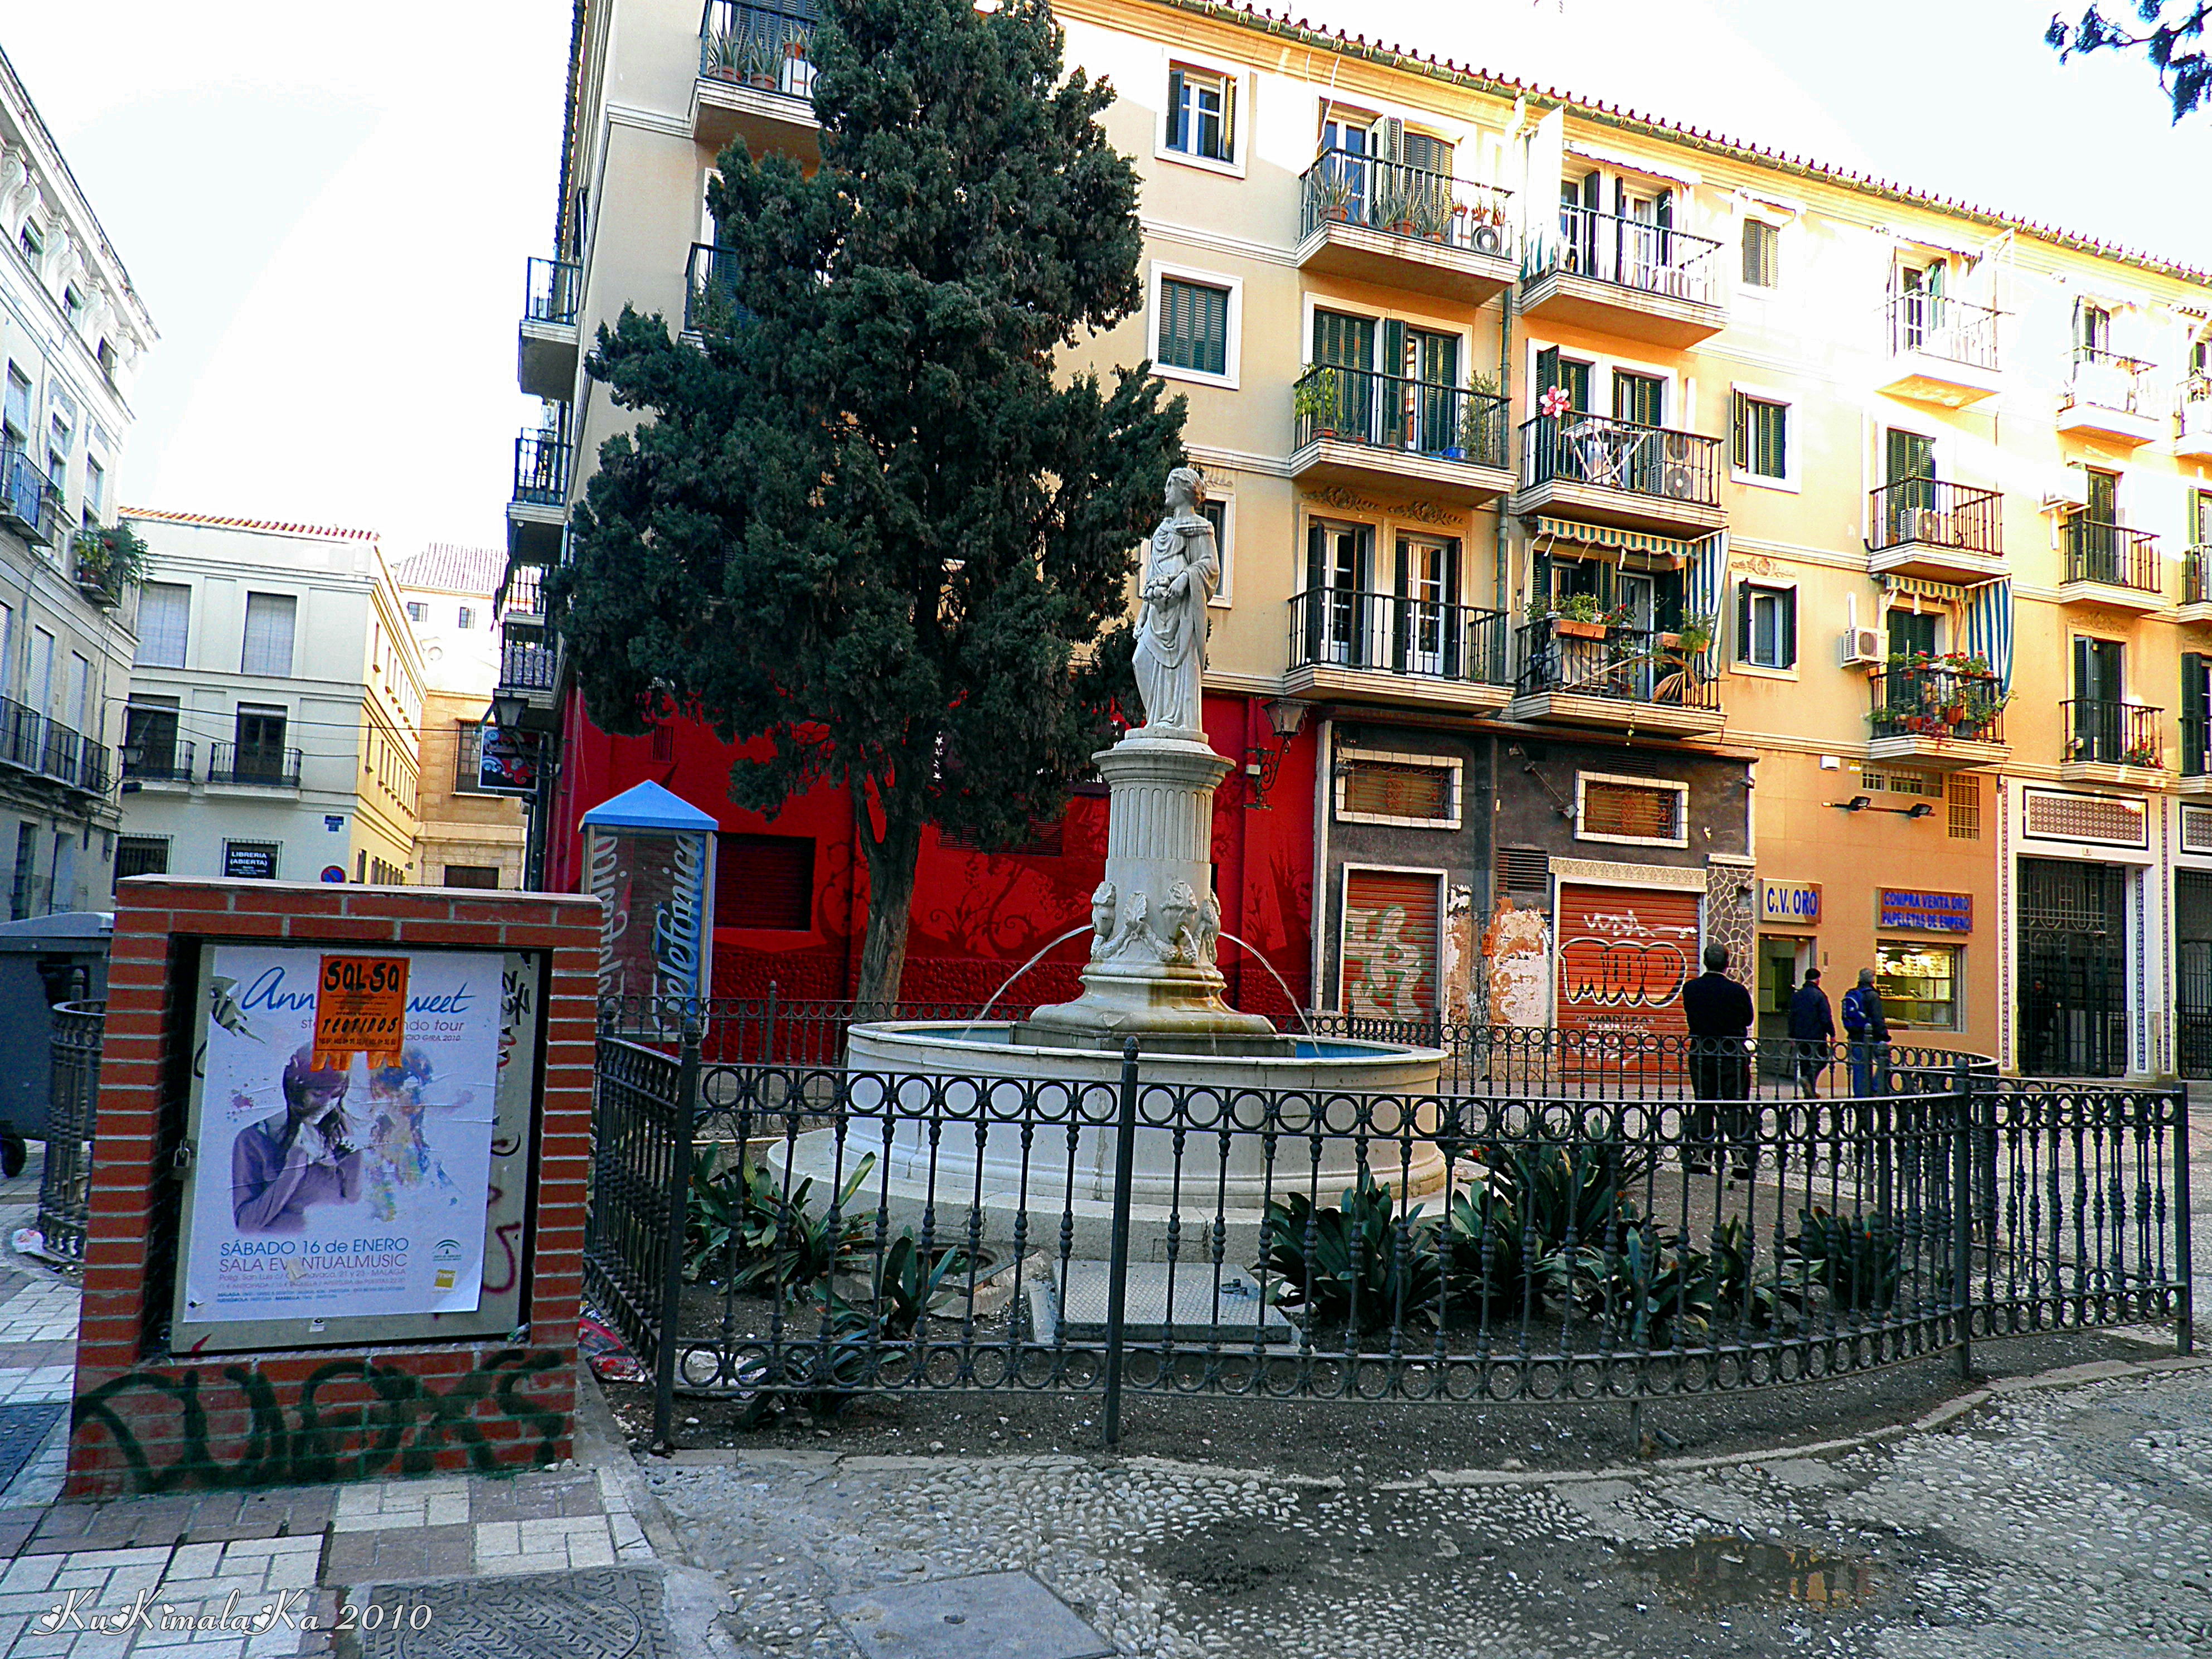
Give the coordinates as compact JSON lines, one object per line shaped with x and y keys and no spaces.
{"x":1665,"y":214}
{"x":1547,"y":369}
{"x":269,"y":619}
{"x":1228,"y":119}
{"x":1177,"y":137}
{"x":2192,"y":686}
{"x":1743,"y":621}
{"x":764,"y":881}
{"x":1788,"y":599}
{"x":1774,"y":430}
{"x":1394,"y":139}
{"x":1389,"y":969}
{"x":164,"y":618}
{"x":1316,"y":586}
{"x":1740,"y":431}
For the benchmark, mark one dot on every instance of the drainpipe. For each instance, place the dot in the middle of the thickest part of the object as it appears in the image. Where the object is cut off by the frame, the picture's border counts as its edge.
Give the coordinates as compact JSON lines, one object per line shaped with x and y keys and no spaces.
{"x":1324,"y":799}
{"x":1505,"y":415}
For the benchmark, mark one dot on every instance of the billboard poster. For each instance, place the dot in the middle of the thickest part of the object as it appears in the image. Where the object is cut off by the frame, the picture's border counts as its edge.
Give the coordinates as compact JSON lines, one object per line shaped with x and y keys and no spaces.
{"x":506,"y":763}
{"x":345,"y":1134}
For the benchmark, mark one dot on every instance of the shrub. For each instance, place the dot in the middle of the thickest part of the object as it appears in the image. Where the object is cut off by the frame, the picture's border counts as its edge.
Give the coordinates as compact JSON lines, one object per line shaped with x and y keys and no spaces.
{"x":779,"y":1243}
{"x":1355,"y":1263}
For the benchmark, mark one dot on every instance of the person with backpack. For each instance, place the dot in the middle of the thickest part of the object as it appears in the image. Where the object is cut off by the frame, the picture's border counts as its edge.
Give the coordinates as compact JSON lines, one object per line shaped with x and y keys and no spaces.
{"x":1867,"y":1030}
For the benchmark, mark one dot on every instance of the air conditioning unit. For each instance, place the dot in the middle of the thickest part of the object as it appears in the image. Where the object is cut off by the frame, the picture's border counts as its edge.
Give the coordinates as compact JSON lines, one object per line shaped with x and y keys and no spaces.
{"x":1860,"y":647}
{"x":1678,"y":484}
{"x":2071,"y":489}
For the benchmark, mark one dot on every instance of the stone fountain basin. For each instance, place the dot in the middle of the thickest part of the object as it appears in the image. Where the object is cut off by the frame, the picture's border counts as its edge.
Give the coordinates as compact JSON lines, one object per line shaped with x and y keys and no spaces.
{"x":1079,"y":1186}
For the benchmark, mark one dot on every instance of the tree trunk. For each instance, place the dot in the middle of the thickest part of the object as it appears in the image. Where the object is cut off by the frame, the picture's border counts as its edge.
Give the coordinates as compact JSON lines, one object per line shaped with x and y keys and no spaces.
{"x":891,"y":861}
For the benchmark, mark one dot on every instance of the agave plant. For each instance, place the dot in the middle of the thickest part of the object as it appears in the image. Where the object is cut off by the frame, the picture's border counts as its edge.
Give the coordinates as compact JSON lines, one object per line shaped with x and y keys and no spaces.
{"x":1857,"y":1261}
{"x":1356,"y":1263}
{"x":1540,"y":1221}
{"x":742,"y":1221}
{"x":907,"y":1282}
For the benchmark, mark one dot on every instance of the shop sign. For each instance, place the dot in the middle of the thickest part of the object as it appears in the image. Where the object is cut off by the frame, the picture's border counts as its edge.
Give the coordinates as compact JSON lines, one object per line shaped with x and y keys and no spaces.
{"x":1790,"y":902}
{"x":1925,"y":912}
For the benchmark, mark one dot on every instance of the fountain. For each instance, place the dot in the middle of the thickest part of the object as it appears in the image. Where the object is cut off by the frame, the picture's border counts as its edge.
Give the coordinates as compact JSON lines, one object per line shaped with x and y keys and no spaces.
{"x":1152,"y":975}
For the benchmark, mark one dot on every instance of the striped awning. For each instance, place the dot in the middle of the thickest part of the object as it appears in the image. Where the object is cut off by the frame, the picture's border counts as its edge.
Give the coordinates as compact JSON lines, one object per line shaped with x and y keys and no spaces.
{"x":1626,"y":541}
{"x":1944,"y":592}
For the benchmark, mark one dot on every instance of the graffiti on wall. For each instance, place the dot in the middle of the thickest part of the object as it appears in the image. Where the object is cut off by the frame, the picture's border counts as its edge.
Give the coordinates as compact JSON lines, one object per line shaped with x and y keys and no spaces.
{"x":1518,"y":944}
{"x":160,"y":1423}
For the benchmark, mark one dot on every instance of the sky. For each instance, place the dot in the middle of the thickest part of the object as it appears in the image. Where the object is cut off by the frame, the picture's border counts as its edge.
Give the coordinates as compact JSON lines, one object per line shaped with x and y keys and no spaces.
{"x":329,"y":209}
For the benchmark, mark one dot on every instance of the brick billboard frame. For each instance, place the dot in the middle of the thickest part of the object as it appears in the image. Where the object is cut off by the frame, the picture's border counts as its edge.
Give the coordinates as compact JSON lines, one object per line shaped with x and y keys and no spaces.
{"x":147,"y":1420}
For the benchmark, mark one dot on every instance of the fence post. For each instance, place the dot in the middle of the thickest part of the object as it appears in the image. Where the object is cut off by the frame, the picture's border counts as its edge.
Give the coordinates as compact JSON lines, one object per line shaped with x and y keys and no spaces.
{"x":678,"y":1198}
{"x":767,"y":1033}
{"x":2184,"y":1322}
{"x":1117,"y":1270}
{"x":1962,"y":1217}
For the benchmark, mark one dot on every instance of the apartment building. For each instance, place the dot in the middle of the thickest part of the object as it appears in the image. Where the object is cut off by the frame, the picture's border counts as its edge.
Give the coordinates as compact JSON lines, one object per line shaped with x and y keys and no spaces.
{"x":276,"y":705}
{"x":73,"y":334}
{"x":1632,"y":537}
{"x":464,"y":836}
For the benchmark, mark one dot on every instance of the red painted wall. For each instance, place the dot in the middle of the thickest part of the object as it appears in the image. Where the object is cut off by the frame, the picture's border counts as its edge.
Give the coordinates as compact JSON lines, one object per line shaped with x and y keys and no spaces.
{"x":976,"y":917}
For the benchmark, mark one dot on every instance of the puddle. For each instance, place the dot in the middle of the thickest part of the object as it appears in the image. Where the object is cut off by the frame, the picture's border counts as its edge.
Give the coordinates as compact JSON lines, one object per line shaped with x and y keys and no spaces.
{"x":1732,"y":1572}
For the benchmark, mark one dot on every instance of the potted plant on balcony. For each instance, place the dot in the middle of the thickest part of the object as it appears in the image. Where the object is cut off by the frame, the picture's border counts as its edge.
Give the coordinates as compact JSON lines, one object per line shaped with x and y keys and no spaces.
{"x":759,"y":61}
{"x":1577,"y":617}
{"x":1693,"y":637}
{"x":109,"y":558}
{"x":1477,"y":416}
{"x":1388,"y":208}
{"x":1336,"y":194}
{"x":2144,"y":755}
{"x":1432,"y":215}
{"x":1315,"y":402}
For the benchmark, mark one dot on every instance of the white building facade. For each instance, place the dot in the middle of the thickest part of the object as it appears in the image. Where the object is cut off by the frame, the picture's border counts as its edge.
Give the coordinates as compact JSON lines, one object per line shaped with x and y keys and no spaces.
{"x":72,"y":335}
{"x":276,"y":707}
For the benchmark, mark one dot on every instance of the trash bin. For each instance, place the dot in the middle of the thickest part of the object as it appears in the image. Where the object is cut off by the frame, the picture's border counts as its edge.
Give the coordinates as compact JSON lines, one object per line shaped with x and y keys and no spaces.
{"x":43,"y":961}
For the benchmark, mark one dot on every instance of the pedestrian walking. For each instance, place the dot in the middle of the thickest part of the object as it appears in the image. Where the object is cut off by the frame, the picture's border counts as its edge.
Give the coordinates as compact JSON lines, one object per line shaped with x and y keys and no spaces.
{"x":1812,"y":1028}
{"x":1865,"y":1030}
{"x":1719,"y":1013}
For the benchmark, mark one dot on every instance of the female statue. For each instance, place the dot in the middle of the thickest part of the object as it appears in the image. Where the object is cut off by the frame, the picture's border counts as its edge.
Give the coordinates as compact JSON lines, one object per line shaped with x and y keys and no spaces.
{"x":1182,"y":572}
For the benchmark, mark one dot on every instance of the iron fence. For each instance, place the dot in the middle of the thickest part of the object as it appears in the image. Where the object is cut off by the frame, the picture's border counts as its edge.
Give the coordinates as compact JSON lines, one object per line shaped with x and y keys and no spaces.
{"x":1923,"y":701}
{"x":767,"y":48}
{"x":72,"y":1098}
{"x":541,"y":468}
{"x":2111,"y":554}
{"x":2106,"y":379}
{"x":1399,"y":412}
{"x":1936,"y":514}
{"x":268,"y":765}
{"x":850,"y":1232}
{"x":775,"y":1028}
{"x":2112,"y":733}
{"x":550,"y":291}
{"x":1606,"y":659}
{"x":1635,"y":253}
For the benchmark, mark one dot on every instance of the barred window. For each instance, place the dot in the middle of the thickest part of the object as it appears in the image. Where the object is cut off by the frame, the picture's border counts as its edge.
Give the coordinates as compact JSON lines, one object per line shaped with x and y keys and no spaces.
{"x":1392,"y":789}
{"x":1966,"y":804}
{"x":1616,"y":809}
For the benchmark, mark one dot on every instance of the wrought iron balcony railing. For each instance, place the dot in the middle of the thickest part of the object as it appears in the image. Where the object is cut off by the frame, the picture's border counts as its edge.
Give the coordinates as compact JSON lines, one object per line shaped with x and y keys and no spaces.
{"x":541,"y":469}
{"x":158,"y":762}
{"x":1936,"y":325}
{"x":526,"y":665}
{"x":2111,"y":554}
{"x":1638,"y":460}
{"x":2108,"y":381}
{"x":266,"y":764}
{"x":1924,"y":701}
{"x":1389,"y":411}
{"x":94,"y":772}
{"x":767,"y":48}
{"x":1399,"y":634}
{"x":523,"y":596}
{"x":1636,"y":254}
{"x":22,"y":735}
{"x":2114,"y":733}
{"x":1602,"y":659}
{"x":29,"y":503}
{"x":1373,"y":194}
{"x":551,"y":291}
{"x":58,"y":760}
{"x":710,"y":289}
{"x":1930,"y":511}
{"x":2196,"y":575}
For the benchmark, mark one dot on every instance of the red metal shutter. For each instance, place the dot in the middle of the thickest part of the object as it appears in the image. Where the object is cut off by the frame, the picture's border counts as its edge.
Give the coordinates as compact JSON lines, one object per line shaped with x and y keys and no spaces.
{"x":1624,"y":953}
{"x":1389,"y":966}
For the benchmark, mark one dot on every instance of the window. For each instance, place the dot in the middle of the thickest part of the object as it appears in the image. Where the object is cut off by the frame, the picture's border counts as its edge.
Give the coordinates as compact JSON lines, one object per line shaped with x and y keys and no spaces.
{"x":1416,"y":791}
{"x":1911,"y":632}
{"x":1552,"y":369}
{"x":417,"y":611}
{"x":150,"y":732}
{"x":164,"y":614}
{"x":255,"y":860}
{"x":95,"y":488}
{"x":1193,"y":325}
{"x":26,"y":870}
{"x":1762,"y":437}
{"x":1201,"y":113}
{"x":269,"y":619}
{"x":468,"y":619}
{"x":32,"y":242}
{"x":1965,"y":800}
{"x":78,"y":703}
{"x":140,"y":855}
{"x":15,"y":413}
{"x":1216,"y":511}
{"x":1646,"y":811}
{"x":1919,"y":984}
{"x":1766,"y":626}
{"x":42,"y":671}
{"x":259,"y":734}
{"x":106,"y":355}
{"x":468,"y":758}
{"x":472,"y":875}
{"x":6,"y":642}
{"x":1762,"y":249}
{"x":72,"y":304}
{"x":764,"y":881}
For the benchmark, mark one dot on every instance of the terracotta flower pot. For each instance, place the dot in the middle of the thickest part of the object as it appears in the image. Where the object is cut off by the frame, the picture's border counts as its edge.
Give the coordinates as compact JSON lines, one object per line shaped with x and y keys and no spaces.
{"x":1573,"y":628}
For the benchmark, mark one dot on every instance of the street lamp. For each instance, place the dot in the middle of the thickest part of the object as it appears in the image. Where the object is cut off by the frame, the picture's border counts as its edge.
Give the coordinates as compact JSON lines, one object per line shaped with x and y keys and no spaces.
{"x":1285,"y":717}
{"x":507,"y":710}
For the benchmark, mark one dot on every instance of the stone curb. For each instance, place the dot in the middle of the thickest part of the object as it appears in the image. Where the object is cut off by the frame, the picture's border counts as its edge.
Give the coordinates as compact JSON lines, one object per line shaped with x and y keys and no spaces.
{"x":2064,"y":1376}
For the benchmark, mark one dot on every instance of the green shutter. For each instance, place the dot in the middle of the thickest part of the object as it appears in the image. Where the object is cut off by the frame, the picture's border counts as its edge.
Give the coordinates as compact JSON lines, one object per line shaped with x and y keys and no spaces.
{"x":2192,"y":685}
{"x":1789,"y":602}
{"x":1547,"y":369}
{"x":1774,"y":446}
{"x":1743,"y":621}
{"x":1176,"y":137}
{"x":1740,"y":432}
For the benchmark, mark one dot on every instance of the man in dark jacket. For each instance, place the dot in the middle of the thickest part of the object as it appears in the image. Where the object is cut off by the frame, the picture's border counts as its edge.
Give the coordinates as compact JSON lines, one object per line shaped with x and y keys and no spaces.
{"x":1866,"y":1027}
{"x":1812,"y":1028}
{"x":1719,"y":1013}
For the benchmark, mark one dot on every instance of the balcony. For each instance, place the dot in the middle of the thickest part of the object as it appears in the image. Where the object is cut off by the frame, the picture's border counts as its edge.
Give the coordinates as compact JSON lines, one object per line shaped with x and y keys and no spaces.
{"x":2193,"y":440}
{"x":1937,"y":714}
{"x":1620,"y":678}
{"x":1943,"y":532}
{"x":537,"y":510}
{"x":2196,"y":754}
{"x":710,"y":289}
{"x":545,"y":342}
{"x":2111,"y":564}
{"x":2109,"y":742}
{"x":34,"y":744}
{"x":530,"y":668}
{"x":160,"y":765}
{"x":1626,"y":277}
{"x":2196,"y":584}
{"x":2107,"y":399}
{"x":1396,"y":225}
{"x":521,"y":596}
{"x":29,"y":504}
{"x":1393,"y":648}
{"x":1942,"y":351}
{"x":58,"y":759}
{"x":1356,"y":426}
{"x":757,"y":78}
{"x":22,"y":736}
{"x":254,"y":766}
{"x":1617,"y":472}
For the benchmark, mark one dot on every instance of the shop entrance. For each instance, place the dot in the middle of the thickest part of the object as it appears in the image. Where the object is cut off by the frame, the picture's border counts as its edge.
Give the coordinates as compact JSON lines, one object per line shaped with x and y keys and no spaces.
{"x":2073,"y":968}
{"x":1783,"y":961}
{"x":2192,"y":967}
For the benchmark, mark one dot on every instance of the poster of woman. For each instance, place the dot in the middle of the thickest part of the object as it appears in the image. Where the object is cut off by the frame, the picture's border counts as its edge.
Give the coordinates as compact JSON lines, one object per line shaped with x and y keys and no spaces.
{"x":336,"y":1181}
